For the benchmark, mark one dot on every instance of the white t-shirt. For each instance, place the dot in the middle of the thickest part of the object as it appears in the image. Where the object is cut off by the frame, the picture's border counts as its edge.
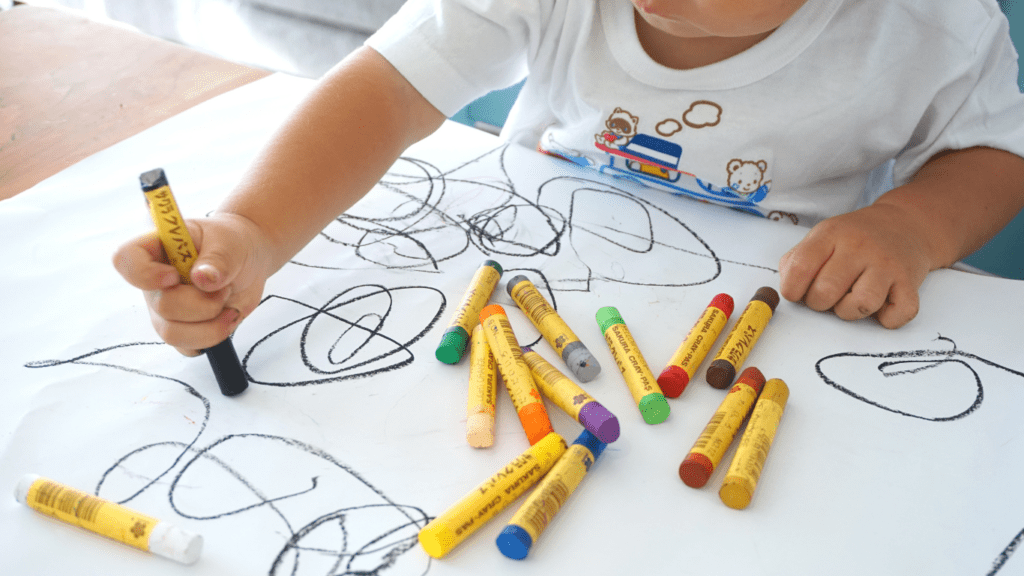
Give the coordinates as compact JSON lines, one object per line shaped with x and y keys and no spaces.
{"x":792,"y":128}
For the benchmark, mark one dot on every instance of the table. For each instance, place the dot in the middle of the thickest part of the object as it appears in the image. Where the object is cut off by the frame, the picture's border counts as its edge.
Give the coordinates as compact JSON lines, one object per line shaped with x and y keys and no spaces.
{"x":71,"y":86}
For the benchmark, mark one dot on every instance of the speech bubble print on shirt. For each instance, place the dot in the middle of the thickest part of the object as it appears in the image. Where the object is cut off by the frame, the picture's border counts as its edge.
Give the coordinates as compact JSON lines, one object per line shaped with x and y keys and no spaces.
{"x":703,"y":114}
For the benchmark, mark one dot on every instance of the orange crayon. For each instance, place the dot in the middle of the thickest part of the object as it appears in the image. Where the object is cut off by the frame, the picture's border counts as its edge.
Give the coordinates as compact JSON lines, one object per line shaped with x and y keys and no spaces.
{"x":516,"y":374}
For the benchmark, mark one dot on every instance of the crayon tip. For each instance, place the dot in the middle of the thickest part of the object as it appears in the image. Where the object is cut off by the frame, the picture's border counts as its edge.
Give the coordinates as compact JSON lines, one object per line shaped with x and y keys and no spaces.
{"x":695,"y":470}
{"x":673,"y":381}
{"x":452,"y":346}
{"x":721,"y":373}
{"x":581,"y":362}
{"x":600,"y":422}
{"x":155,"y":178}
{"x":514,"y":542}
{"x":227,"y":369}
{"x":654,"y":408}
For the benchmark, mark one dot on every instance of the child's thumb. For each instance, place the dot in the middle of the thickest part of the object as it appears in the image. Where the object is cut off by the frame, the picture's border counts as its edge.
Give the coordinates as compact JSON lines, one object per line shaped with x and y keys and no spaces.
{"x":214,"y":269}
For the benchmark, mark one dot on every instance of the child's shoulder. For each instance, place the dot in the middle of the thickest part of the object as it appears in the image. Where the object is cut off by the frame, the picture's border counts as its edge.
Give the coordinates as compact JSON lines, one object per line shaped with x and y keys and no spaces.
{"x":959,"y":19}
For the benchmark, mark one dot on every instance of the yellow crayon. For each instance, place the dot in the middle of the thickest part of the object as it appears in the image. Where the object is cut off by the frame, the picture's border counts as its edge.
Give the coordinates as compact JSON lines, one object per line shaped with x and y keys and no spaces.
{"x":483,"y":392}
{"x":572,"y":399}
{"x":745,"y":470}
{"x":492,"y":496}
{"x":515,"y":373}
{"x":712,"y":443}
{"x":543,"y":316}
{"x":639,"y":379}
{"x":456,"y":337}
{"x":108,"y":519}
{"x":181,"y":252}
{"x":695,"y":347}
{"x":170,"y":226}
{"x":744,"y":335}
{"x":554,"y":490}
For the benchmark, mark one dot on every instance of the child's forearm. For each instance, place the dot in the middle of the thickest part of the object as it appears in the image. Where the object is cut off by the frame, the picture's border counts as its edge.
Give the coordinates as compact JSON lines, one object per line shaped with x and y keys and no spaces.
{"x":332,"y":150}
{"x":960,"y":199}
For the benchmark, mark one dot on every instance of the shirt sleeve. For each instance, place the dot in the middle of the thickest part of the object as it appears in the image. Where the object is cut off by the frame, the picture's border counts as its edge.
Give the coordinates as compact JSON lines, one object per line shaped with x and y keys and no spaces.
{"x":454,"y":51}
{"x":979,"y":104}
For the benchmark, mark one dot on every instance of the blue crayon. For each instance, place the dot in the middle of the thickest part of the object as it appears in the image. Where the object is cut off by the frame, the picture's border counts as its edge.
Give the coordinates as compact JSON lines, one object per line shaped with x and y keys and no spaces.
{"x":550,"y":495}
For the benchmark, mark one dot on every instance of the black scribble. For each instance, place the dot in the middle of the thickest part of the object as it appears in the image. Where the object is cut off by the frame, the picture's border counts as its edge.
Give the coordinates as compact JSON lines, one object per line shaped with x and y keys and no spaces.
{"x":914,"y":362}
{"x":241,"y":474}
{"x":906,"y":363}
{"x":422,"y":216}
{"x":352,"y":335}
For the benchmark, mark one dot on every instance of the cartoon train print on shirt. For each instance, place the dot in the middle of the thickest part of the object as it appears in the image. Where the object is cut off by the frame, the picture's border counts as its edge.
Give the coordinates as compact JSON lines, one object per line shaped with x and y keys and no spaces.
{"x":654,"y":161}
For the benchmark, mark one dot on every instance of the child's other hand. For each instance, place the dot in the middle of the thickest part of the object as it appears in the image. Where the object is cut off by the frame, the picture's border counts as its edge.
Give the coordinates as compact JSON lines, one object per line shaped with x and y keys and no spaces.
{"x":867,"y":262}
{"x":227,"y":281}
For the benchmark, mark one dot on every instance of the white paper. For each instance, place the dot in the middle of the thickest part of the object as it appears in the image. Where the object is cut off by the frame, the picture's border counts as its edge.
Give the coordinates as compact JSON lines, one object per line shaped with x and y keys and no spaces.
{"x":899,"y":451}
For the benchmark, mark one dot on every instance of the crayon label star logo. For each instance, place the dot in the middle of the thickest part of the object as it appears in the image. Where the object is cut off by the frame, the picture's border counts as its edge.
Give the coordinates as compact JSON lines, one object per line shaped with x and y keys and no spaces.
{"x":138,"y":529}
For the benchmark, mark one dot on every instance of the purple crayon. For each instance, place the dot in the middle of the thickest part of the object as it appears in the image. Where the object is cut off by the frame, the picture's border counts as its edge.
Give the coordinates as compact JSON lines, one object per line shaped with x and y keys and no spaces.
{"x":568,"y":396}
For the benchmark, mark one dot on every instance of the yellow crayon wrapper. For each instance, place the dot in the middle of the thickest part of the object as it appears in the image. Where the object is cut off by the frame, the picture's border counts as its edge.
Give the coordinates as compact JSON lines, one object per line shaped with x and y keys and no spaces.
{"x":541,"y":506}
{"x":483,"y":391}
{"x":554,"y":330}
{"x":467,"y":314}
{"x":492,"y":496}
{"x":741,"y":339}
{"x":178,"y":245}
{"x":572,"y":399}
{"x":695,"y":347}
{"x":744,"y":472}
{"x":565,"y":393}
{"x":108,"y":519}
{"x":720,"y":431}
{"x":638,"y":377}
{"x":541,"y":314}
{"x":515,"y":373}
{"x":631,"y":363}
{"x":699,"y":340}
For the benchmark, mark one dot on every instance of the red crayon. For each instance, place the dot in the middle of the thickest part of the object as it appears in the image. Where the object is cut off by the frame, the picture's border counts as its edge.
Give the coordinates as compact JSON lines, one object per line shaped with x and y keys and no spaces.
{"x":695,"y":347}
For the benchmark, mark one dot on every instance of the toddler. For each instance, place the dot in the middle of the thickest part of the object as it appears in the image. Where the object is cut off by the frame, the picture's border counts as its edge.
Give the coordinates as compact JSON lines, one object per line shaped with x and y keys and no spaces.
{"x":894,"y":129}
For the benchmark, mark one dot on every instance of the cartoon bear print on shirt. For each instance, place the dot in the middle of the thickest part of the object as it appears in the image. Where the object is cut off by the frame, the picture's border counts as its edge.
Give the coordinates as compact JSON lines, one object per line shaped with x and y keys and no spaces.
{"x":621,"y":127}
{"x":745,"y":176}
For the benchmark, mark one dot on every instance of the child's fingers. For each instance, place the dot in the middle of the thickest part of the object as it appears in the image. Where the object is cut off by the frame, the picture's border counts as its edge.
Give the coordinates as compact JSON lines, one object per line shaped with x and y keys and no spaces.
{"x":901,"y":306}
{"x":183,"y":303}
{"x":799,"y":267}
{"x":187,"y":352}
{"x":834,"y":281}
{"x":140,"y":261}
{"x":866,"y":297}
{"x":192,"y":336}
{"x":220,"y":259}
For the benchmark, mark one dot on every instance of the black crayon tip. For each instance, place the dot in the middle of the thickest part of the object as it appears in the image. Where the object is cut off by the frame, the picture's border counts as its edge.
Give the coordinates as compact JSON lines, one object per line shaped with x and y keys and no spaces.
{"x":227,"y":369}
{"x":153,"y":179}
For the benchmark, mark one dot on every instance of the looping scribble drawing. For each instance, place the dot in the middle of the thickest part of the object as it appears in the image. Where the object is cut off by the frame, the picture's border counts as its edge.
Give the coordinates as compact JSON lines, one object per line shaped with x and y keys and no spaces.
{"x":424,"y":216}
{"x":361,"y":331}
{"x":362,"y":531}
{"x":903,"y":383}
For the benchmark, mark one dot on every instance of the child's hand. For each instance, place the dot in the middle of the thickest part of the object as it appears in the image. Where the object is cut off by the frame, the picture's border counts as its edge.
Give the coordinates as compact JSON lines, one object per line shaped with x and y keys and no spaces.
{"x":867,"y":262}
{"x":227,"y":281}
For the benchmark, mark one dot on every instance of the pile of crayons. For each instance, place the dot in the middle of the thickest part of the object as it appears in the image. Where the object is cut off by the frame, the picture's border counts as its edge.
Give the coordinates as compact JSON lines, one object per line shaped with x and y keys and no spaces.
{"x":555,"y":467}
{"x":558,"y":468}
